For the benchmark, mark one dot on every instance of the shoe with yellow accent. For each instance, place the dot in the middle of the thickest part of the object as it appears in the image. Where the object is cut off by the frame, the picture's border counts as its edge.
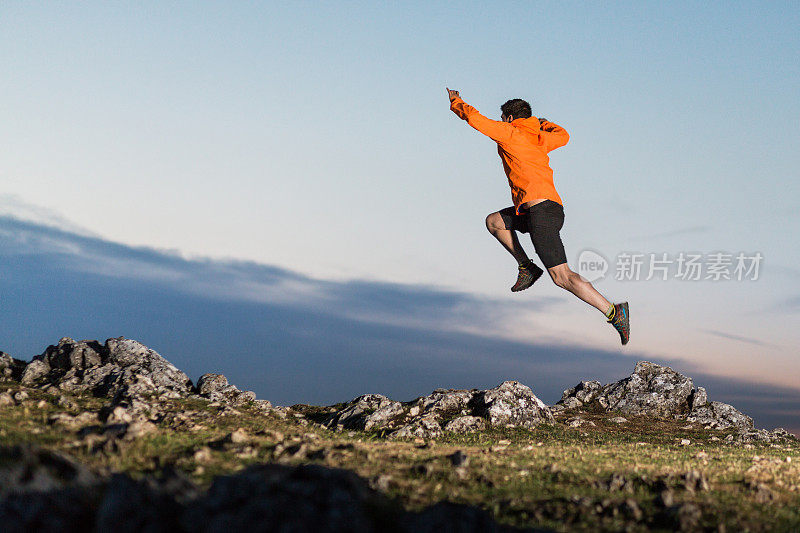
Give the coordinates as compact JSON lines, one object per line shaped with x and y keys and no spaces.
{"x":621,"y":321}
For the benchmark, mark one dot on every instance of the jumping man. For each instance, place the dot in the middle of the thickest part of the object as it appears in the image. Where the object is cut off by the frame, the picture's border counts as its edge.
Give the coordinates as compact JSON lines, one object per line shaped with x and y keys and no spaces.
{"x":523,"y":142}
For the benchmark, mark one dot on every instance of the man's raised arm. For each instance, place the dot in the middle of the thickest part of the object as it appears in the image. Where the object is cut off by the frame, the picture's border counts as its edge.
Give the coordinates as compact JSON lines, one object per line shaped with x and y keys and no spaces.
{"x":497,"y":130}
{"x":553,"y":134}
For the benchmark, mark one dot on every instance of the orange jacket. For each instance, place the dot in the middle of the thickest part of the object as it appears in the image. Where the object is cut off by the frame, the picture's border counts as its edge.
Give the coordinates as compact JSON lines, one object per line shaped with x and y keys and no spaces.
{"x":523,"y":145}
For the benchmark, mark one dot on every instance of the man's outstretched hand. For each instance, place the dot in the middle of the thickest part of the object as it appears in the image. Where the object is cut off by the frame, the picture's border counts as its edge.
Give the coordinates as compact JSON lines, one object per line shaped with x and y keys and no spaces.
{"x":452,"y":94}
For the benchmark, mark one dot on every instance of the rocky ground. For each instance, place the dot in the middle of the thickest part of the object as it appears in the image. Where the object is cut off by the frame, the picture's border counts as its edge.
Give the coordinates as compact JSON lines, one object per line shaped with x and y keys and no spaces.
{"x":98,"y":436}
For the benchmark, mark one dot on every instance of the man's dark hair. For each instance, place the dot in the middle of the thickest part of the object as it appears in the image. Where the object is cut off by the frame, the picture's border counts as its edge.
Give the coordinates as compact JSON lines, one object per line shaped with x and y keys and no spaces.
{"x":516,"y":108}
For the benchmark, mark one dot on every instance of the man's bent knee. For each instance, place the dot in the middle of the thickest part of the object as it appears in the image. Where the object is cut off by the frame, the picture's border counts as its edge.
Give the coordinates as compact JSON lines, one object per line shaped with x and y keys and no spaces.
{"x":563,"y":277}
{"x":494,"y":222}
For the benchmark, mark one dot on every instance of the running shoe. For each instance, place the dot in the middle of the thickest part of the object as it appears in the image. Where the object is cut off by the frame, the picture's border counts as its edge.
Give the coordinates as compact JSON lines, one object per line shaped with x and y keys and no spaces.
{"x":621,"y":321}
{"x":528,"y":274}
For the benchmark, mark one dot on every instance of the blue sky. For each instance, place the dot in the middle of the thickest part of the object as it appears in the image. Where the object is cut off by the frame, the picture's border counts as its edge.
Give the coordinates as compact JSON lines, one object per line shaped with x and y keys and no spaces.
{"x":316,"y":139}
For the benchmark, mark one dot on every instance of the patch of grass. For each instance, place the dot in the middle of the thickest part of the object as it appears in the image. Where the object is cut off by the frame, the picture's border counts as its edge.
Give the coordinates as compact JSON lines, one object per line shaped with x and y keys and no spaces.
{"x":606,"y":477}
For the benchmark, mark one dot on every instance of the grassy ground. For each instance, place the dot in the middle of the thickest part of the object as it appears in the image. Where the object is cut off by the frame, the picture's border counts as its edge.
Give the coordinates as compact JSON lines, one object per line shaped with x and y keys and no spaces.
{"x":633,"y":476}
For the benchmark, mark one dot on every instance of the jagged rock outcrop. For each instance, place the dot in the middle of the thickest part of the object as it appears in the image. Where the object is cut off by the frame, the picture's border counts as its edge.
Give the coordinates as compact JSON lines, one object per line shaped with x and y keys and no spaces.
{"x":136,"y":380}
{"x":657,"y":391}
{"x":121,"y":368}
{"x":366,"y":412}
{"x":215,"y":387}
{"x":44,"y":491}
{"x":718,"y":415}
{"x":510,"y":404}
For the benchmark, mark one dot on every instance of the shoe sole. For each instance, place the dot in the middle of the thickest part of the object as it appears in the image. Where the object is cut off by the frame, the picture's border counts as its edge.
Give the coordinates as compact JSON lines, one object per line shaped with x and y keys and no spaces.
{"x":624,"y":306}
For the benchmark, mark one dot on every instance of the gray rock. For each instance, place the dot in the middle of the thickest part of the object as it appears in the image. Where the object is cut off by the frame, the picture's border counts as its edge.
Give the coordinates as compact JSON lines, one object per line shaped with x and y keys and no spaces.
{"x":125,"y":370}
{"x":147,"y":369}
{"x":69,"y":354}
{"x":445,"y":403}
{"x":465,"y":424}
{"x":511,"y":403}
{"x":778,"y":435}
{"x":370,"y":411}
{"x":699,"y":398}
{"x":651,"y":390}
{"x":426,"y":427}
{"x":122,"y":369}
{"x":718,"y":415}
{"x":656,"y":391}
{"x":210,"y":384}
{"x":216,"y":388}
{"x":34,"y":371}
{"x":460,"y":410}
{"x":584,"y":392}
{"x":569,"y":402}
{"x":10,"y":367}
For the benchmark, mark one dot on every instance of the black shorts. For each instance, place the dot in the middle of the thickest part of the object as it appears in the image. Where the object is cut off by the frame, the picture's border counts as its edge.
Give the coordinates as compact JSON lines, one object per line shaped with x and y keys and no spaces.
{"x":543,"y":221}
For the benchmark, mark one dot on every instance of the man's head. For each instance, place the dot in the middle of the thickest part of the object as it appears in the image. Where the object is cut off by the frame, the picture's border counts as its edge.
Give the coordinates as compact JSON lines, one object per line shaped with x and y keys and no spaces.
{"x":514,"y":109}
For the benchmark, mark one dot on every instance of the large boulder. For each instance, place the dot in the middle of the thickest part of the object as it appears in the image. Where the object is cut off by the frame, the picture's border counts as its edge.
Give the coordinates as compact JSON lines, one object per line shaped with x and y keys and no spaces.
{"x":511,"y":404}
{"x":35,"y":371}
{"x":656,"y":391}
{"x":650,"y":390}
{"x":121,"y":368}
{"x":132,"y":376}
{"x":144,"y":371}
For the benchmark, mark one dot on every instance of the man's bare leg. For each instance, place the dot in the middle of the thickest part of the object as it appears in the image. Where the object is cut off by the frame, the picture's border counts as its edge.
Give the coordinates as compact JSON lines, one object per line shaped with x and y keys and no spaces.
{"x":565,"y":278}
{"x":508,"y":238}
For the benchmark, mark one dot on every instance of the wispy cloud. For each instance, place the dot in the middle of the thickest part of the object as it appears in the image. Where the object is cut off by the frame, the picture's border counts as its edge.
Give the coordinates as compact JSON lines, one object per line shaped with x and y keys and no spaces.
{"x":12,"y":206}
{"x":369,"y":301}
{"x":739,"y":338}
